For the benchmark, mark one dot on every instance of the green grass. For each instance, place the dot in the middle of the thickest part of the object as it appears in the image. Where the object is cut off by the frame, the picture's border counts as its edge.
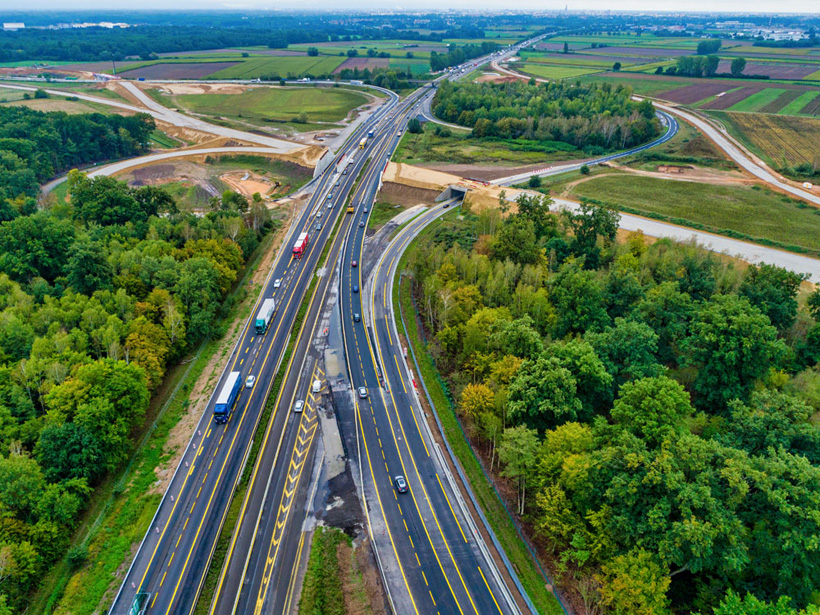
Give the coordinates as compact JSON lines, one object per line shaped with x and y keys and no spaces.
{"x":322,"y":589}
{"x":382,"y":213}
{"x":757,"y":101}
{"x":568,"y":60}
{"x":643,"y":87}
{"x":488,"y":499}
{"x":274,"y":103}
{"x":283,"y":66}
{"x":757,"y":214}
{"x":546,"y":71}
{"x":459,"y":148}
{"x":163,"y":140}
{"x":416,"y":66}
{"x":795,"y":106}
{"x":122,"y":508}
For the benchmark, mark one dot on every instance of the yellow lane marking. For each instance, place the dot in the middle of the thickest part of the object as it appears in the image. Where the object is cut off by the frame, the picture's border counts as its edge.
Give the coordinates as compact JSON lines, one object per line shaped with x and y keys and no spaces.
{"x":451,"y":507}
{"x":481,"y":572}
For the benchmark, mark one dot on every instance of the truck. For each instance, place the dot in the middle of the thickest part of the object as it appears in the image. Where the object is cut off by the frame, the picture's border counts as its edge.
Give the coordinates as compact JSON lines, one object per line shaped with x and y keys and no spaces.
{"x":227,"y":397}
{"x":264,"y":316}
{"x":362,"y":143}
{"x":301,"y":245}
{"x":370,"y":134}
{"x":350,"y":209}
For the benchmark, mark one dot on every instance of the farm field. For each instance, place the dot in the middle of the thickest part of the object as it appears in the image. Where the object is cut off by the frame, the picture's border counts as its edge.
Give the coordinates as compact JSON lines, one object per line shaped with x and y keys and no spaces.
{"x":757,"y":100}
{"x":547,"y":71}
{"x":281,"y":66}
{"x":171,"y":70}
{"x":797,"y":105}
{"x":274,"y":103}
{"x":396,"y":48}
{"x":781,"y":139}
{"x":757,"y":213}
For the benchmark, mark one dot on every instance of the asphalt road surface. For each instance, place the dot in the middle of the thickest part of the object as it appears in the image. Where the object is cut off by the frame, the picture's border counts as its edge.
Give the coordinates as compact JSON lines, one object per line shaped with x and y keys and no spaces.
{"x":171,"y":563}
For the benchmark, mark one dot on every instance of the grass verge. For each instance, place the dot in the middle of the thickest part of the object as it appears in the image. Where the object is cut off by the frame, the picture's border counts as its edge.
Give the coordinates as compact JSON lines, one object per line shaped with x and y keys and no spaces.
{"x":502,"y":523}
{"x":123,"y":506}
{"x":322,"y":590}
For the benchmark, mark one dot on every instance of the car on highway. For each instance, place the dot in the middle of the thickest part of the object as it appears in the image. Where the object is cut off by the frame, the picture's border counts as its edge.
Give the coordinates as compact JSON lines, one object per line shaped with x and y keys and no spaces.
{"x":357,"y":317}
{"x":355,"y":288}
{"x":401,"y":484}
{"x":330,"y":204}
{"x":364,"y":210}
{"x":361,"y":224}
{"x":277,"y":282}
{"x":299,"y":405}
{"x":317,"y":226}
{"x":354,"y":263}
{"x":362,"y":392}
{"x":318,"y":213}
{"x":329,"y":196}
{"x":250,"y":382}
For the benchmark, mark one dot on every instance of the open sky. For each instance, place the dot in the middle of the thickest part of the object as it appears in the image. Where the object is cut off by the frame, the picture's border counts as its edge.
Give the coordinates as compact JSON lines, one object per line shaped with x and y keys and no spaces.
{"x":746,"y":6}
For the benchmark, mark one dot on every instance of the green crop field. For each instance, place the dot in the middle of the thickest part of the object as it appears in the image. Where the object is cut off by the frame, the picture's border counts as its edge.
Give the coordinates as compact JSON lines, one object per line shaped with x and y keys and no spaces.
{"x":757,"y":101}
{"x":547,"y":71}
{"x":320,"y":104}
{"x":796,"y":106}
{"x":754,"y":212}
{"x":417,"y":67}
{"x":396,"y":48}
{"x":284,"y":66}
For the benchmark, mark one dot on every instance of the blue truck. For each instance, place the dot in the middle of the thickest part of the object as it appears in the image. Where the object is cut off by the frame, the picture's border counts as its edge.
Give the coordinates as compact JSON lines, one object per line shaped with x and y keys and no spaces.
{"x":227,"y":397}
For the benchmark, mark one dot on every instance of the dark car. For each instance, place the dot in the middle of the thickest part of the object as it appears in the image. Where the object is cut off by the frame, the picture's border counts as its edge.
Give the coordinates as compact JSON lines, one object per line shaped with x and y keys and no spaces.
{"x":354,"y":263}
{"x":355,"y":288}
{"x":401,"y":484}
{"x":357,"y":317}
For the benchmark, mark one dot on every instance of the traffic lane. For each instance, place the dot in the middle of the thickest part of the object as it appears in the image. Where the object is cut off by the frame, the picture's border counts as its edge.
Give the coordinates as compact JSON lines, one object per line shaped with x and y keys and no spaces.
{"x":441,"y":498}
{"x":309,"y":259}
{"x":244,"y":406}
{"x":423,"y":536}
{"x":148,"y":545}
{"x":261,"y":561}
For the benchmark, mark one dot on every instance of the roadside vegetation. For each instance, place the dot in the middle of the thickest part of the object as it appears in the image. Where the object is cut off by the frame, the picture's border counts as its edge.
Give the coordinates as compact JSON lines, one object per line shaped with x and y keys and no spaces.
{"x":594,"y":118}
{"x":748,"y":212}
{"x":627,"y":398}
{"x":437,"y":144}
{"x":101,"y":296}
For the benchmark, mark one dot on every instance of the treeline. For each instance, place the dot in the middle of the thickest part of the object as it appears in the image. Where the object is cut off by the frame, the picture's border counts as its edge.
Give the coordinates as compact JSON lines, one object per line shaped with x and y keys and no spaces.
{"x":456,"y":55}
{"x":594,"y":117}
{"x":35,"y":146}
{"x":650,"y":405}
{"x":91,"y":44}
{"x":98,"y":296}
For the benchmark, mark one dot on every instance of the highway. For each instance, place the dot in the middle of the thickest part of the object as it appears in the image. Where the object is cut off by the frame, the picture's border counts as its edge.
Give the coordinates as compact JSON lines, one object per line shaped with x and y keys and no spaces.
{"x":172,"y":560}
{"x":267,"y":545}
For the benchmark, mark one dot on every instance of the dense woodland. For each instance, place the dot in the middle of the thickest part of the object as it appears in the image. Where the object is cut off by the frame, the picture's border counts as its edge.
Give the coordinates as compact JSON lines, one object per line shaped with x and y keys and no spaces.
{"x":596,"y":117}
{"x":98,"y":296}
{"x":652,"y":407}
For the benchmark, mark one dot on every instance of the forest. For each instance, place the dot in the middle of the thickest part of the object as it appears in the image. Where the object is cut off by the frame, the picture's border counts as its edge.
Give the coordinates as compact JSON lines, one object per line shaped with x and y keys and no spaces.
{"x":596,"y":117}
{"x":652,"y":408}
{"x":98,"y":296}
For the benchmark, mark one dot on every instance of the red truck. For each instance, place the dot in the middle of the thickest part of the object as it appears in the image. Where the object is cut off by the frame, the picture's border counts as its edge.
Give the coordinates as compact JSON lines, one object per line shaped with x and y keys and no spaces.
{"x":301,"y":245}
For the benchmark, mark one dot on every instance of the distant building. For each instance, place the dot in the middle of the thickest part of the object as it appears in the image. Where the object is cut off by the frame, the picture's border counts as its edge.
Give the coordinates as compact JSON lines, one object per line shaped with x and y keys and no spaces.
{"x":14,"y":25}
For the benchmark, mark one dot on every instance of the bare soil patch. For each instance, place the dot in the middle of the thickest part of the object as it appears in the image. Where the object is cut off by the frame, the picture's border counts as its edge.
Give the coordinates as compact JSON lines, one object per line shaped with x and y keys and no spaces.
{"x":176,"y":89}
{"x":192,"y":70}
{"x":693,"y":93}
{"x":775,"y":71}
{"x":732,"y":98}
{"x":495,"y":78}
{"x":247,"y":183}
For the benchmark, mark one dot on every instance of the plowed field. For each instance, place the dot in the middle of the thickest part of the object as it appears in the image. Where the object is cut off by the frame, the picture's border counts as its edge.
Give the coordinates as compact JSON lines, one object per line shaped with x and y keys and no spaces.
{"x":693,"y":93}
{"x":731,"y":98}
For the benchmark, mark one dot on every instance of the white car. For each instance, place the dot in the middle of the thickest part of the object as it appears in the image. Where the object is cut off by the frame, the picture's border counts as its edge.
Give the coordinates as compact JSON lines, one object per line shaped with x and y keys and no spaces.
{"x":299,"y":405}
{"x":277,"y":282}
{"x":362,"y":392}
{"x":250,"y":382}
